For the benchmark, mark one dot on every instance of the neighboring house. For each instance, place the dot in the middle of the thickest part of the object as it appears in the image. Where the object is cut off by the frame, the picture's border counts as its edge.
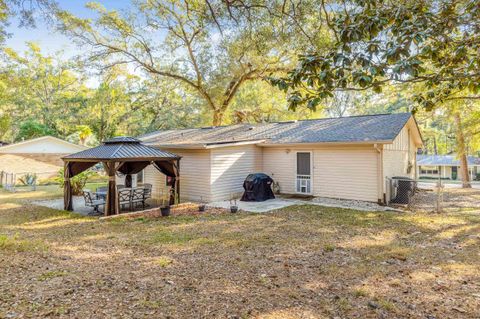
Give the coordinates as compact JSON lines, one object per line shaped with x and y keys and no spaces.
{"x":348,"y":157}
{"x":39,"y":155}
{"x":446,"y":167}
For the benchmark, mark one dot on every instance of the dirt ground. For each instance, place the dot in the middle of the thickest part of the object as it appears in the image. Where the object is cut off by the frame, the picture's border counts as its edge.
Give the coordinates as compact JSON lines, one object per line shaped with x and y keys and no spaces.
{"x":299,"y":262}
{"x":450,"y":199}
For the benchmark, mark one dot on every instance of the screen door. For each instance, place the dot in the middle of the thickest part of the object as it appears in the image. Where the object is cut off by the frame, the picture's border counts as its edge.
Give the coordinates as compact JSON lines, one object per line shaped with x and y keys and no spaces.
{"x":304,"y":174}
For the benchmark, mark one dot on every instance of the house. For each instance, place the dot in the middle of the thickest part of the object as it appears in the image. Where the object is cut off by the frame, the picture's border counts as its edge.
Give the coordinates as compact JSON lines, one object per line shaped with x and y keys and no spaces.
{"x":446,"y":167}
{"x":348,"y":157}
{"x":39,"y":155}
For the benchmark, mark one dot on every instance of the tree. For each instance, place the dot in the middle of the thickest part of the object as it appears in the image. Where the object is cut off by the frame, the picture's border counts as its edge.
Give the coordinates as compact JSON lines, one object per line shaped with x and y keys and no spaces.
{"x":26,"y":11}
{"x":161,"y":104}
{"x":32,"y":129}
{"x":195,"y":43}
{"x":44,"y":88}
{"x":436,"y":43}
{"x":381,"y":42}
{"x":84,"y":132}
{"x":258,"y":102}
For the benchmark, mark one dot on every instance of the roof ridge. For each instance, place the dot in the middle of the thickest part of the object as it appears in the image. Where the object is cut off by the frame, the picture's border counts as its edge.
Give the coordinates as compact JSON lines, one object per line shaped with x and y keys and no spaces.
{"x":116,"y":151}
{"x":341,"y":117}
{"x":152,"y":134}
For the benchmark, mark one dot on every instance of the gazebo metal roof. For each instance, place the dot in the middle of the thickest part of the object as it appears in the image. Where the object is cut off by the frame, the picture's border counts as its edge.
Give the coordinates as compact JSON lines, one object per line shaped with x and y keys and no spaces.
{"x":120,"y":154}
{"x":121,"y":148}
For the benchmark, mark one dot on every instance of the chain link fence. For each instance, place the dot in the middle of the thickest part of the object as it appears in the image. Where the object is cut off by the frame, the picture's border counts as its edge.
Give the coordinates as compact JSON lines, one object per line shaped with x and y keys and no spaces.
{"x":415,"y":194}
{"x":15,"y":181}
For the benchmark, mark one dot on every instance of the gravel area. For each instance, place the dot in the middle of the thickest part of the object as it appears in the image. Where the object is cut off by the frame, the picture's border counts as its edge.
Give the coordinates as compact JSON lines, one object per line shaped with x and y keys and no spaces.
{"x":353,"y":204}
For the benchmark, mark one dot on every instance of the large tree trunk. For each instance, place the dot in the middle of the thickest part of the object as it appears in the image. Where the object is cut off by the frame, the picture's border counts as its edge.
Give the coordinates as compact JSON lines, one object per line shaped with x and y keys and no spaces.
{"x":461,"y":151}
{"x":217,"y":117}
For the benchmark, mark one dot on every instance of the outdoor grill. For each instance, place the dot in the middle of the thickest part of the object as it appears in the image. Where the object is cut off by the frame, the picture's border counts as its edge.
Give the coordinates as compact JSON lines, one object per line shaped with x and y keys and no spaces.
{"x":258,"y":188}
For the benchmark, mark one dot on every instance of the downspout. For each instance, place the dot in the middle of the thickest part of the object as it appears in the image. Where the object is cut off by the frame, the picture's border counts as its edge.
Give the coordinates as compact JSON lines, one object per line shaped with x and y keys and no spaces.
{"x":380,"y":187}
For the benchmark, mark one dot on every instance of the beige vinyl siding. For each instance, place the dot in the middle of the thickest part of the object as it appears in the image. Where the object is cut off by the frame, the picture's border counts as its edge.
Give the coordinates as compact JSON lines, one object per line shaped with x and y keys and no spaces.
{"x":279,"y":164}
{"x":399,"y":154}
{"x":229,"y":168}
{"x":346,"y":173}
{"x":194,"y":176}
{"x":338,"y":172}
{"x":158,"y":180}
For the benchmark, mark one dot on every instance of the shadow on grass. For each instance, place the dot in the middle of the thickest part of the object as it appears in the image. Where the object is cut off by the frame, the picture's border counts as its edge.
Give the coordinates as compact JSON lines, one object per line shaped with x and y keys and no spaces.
{"x":297,"y":261}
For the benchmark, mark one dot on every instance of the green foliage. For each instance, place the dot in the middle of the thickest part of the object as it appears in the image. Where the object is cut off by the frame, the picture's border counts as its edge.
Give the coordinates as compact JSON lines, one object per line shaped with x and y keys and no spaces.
{"x":382,"y":42}
{"x":77,"y":182}
{"x":213,"y":51}
{"x":28,"y":179}
{"x":5,"y":122}
{"x":31,"y":129}
{"x":51,"y":274}
{"x":16,"y":244}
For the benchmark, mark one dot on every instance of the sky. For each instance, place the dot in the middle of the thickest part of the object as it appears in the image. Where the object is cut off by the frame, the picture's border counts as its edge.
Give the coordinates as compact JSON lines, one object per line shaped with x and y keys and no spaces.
{"x":49,"y":41}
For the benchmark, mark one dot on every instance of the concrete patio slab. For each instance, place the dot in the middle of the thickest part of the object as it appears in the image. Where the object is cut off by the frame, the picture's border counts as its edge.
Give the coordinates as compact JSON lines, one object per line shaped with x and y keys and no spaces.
{"x":257,"y":207}
{"x":78,"y":205}
{"x":280,"y":202}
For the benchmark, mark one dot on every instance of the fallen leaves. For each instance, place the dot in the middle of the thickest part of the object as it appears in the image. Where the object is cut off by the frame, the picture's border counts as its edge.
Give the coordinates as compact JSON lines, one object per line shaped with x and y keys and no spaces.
{"x":299,"y":262}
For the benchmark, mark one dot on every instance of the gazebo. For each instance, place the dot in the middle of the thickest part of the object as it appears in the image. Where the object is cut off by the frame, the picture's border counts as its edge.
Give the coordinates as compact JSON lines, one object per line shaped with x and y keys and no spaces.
{"x":126,"y":155}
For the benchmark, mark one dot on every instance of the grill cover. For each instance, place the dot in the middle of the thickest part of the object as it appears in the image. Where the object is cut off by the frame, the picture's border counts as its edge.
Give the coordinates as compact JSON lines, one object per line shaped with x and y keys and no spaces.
{"x":258,"y":188}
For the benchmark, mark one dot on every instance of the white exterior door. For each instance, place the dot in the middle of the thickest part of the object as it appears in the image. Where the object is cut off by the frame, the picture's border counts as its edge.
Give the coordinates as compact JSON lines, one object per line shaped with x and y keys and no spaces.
{"x":304,"y":173}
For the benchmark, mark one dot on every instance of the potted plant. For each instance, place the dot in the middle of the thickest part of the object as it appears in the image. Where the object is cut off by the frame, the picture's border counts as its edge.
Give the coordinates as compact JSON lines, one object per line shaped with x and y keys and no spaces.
{"x":201,"y":206}
{"x":233,"y":206}
{"x":165,"y":208}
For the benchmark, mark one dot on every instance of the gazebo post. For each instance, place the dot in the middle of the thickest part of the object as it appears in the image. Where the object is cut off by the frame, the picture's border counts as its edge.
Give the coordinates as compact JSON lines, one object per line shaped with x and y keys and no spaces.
{"x":67,"y":187}
{"x":177,"y":181}
{"x":111,"y":204}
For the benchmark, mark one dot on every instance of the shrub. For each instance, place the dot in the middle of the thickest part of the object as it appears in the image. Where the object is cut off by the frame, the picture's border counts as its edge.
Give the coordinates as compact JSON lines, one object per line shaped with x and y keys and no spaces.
{"x":78,"y":181}
{"x":29,"y":179}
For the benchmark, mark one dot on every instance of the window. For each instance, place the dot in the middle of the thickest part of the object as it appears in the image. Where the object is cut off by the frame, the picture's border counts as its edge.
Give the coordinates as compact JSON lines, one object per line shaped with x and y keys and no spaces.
{"x":429,"y":170}
{"x":140,"y":177}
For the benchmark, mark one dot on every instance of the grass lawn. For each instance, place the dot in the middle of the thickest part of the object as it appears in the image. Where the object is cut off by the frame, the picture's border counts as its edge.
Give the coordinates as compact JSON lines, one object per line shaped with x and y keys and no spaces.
{"x":299,"y":262}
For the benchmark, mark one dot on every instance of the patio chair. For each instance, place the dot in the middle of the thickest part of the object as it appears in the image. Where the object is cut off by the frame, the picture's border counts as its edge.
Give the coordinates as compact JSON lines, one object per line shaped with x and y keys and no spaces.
{"x":147,"y":185}
{"x":125,"y":197}
{"x":90,"y":202}
{"x":137,"y":196}
{"x":101,"y":192}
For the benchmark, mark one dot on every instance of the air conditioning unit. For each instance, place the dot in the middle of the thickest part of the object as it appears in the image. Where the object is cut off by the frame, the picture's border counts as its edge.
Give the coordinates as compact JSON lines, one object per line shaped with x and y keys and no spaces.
{"x":393,"y":189}
{"x":304,"y":184}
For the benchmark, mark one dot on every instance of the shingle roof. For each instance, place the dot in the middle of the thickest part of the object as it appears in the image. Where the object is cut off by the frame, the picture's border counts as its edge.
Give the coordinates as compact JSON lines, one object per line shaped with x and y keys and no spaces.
{"x":448,"y":160}
{"x":381,"y":127}
{"x":121,"y":148}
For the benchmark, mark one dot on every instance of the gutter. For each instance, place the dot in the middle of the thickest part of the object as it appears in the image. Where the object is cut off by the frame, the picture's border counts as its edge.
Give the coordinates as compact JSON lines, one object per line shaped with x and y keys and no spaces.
{"x":207,"y":145}
{"x":328,"y":143}
{"x":380,"y":176}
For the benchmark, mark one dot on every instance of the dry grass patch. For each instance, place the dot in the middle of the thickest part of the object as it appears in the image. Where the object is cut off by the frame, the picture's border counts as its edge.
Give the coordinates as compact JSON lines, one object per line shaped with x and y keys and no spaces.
{"x":16,"y":244}
{"x":299,"y":262}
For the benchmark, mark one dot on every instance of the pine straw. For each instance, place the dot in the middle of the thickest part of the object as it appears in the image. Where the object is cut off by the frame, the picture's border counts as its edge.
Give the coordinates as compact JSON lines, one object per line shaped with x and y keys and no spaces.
{"x":299,"y":262}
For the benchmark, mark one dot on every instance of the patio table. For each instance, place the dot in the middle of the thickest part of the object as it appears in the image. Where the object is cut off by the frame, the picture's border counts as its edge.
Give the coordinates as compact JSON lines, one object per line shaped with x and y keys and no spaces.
{"x":101,"y":194}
